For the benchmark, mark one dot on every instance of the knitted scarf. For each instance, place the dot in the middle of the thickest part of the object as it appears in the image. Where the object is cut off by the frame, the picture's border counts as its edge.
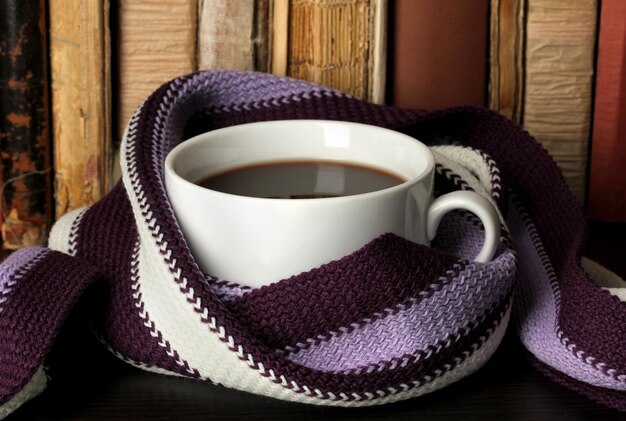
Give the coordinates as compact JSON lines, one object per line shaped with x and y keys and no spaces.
{"x":391,"y":321}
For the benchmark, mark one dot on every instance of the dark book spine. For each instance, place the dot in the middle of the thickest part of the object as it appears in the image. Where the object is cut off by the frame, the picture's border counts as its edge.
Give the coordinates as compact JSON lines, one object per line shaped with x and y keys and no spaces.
{"x":25,"y":179}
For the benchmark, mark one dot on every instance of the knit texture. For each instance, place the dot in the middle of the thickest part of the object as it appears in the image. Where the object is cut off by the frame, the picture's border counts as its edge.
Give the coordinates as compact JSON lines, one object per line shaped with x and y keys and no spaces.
{"x":391,"y":321}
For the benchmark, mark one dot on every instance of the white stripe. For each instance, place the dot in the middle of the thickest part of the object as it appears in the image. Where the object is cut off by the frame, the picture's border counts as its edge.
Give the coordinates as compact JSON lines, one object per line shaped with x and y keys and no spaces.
{"x":60,"y":234}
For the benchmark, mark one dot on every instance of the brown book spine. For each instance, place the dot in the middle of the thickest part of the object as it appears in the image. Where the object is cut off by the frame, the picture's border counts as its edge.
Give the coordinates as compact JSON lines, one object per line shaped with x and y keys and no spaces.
{"x":338,"y":43}
{"x":279,"y":36}
{"x":81,"y":97}
{"x":506,"y":73}
{"x":26,"y":194}
{"x":439,"y":53}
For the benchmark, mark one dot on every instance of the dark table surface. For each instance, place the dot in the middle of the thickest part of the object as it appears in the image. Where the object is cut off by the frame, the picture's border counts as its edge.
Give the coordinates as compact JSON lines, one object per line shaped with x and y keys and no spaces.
{"x":89,"y":383}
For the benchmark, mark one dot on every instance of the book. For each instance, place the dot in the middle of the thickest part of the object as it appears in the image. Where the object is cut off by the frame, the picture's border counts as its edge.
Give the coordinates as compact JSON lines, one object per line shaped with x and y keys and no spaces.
{"x":25,"y":179}
{"x":439,"y":53}
{"x":233,"y":34}
{"x":81,"y":102}
{"x":338,"y":43}
{"x":506,"y":54}
{"x":155,"y":42}
{"x":279,"y":36}
{"x":558,"y":82}
{"x":607,"y":184}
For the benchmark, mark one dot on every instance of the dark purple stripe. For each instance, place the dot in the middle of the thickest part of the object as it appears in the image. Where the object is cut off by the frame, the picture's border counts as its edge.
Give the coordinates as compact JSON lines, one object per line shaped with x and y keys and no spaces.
{"x":384,"y":273}
{"x":33,"y":314}
{"x":593,"y":319}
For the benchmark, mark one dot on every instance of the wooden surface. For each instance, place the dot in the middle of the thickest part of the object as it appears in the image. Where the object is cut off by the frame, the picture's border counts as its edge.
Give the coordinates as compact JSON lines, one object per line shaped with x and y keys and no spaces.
{"x":90,"y":383}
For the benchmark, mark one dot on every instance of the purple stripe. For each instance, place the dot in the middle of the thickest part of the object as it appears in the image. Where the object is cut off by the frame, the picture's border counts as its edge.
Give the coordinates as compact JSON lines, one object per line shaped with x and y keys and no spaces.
{"x":416,"y":326}
{"x":460,"y":234}
{"x":537,"y":313}
{"x":32,"y":316}
{"x":438,"y":358}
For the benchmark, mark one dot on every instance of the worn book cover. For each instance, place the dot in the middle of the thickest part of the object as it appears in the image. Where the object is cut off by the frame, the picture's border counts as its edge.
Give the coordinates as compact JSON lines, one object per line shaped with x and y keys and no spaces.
{"x":558,"y":79}
{"x":25,"y":179}
{"x":506,"y":57}
{"x":81,"y":102}
{"x":338,"y":43}
{"x":233,"y":34}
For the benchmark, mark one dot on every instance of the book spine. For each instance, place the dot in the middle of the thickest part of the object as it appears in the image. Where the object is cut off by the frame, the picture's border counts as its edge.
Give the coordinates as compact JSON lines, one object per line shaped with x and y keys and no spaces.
{"x":559,"y":68}
{"x":377,"y":70}
{"x":333,"y":42}
{"x":228,"y":34}
{"x":26,"y":194}
{"x":439,"y":53}
{"x":607,"y":186}
{"x":81,"y":89}
{"x":279,"y":36}
{"x":156,"y":42}
{"x":506,"y":53}
{"x":261,"y":39}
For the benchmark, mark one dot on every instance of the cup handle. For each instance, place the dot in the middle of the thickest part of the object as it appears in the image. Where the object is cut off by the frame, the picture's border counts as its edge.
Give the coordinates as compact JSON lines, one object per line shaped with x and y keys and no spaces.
{"x":474,"y":203}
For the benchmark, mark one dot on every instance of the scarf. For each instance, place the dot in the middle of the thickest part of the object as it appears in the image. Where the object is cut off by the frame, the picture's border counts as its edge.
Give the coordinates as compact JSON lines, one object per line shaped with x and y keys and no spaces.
{"x":392,"y":321}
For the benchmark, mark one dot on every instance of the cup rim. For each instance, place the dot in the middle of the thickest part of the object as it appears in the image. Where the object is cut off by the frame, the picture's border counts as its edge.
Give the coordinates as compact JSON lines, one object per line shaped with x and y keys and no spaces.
{"x":190,"y":143}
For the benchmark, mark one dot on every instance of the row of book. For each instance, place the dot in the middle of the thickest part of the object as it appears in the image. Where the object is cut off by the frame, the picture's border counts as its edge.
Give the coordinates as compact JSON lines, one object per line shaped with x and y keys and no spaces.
{"x":73,"y":71}
{"x":557,"y":68}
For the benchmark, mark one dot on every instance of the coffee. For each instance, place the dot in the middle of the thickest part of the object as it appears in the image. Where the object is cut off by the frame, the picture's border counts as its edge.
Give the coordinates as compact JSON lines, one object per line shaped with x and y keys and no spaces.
{"x":301,"y":180}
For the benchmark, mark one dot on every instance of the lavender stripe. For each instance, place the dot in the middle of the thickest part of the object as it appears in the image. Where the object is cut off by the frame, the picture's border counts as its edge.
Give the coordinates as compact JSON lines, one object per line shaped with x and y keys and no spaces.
{"x":537,"y":312}
{"x":414,"y":328}
{"x":11,"y":265}
{"x":460,"y":233}
{"x":257,"y":87}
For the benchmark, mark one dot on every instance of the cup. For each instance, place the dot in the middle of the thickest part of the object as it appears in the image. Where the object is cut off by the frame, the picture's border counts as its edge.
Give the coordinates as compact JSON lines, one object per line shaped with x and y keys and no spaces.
{"x":257,"y":241}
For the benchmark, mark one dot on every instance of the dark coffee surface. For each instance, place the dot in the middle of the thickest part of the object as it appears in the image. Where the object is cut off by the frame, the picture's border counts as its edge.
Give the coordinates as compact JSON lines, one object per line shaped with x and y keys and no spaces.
{"x":301,"y":180}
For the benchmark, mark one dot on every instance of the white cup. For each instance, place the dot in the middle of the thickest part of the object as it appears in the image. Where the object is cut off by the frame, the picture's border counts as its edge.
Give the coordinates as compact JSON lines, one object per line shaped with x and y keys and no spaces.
{"x":256,"y":241}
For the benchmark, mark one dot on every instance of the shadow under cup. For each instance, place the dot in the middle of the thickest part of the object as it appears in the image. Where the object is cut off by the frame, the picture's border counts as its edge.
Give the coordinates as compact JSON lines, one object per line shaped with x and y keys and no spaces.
{"x":256,"y":241}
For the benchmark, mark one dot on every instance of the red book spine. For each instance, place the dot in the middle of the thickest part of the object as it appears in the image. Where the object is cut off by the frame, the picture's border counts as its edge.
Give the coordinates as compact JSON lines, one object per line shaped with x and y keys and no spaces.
{"x":607,"y":186}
